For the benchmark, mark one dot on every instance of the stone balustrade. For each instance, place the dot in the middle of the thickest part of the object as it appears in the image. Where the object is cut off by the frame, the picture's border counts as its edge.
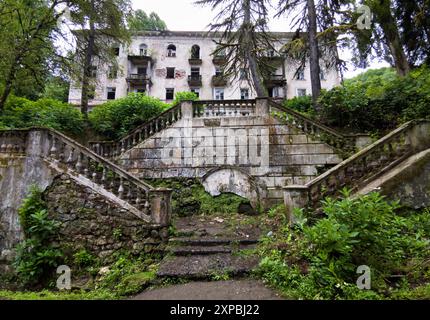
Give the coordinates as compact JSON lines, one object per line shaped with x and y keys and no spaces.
{"x":223,"y":108}
{"x":152,"y":204}
{"x":362,"y":167}
{"x":112,"y":149}
{"x":312,"y":127}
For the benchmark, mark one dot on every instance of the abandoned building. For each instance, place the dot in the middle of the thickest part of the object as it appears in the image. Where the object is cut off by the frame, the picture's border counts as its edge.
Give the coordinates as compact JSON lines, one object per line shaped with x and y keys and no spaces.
{"x":164,"y":63}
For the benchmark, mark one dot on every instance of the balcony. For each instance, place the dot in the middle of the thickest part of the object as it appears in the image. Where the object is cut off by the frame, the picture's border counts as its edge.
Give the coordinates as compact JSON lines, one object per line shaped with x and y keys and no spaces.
{"x":274,"y":60}
{"x":219,"y":60}
{"x":275,"y":81}
{"x":219,"y":81}
{"x":195,"y":80}
{"x":139,"y":59}
{"x":136,"y":79}
{"x":195,"y":61}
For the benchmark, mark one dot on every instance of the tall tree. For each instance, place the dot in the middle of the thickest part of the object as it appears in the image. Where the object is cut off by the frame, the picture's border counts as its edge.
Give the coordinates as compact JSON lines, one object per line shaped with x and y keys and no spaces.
{"x":103,"y":24}
{"x":244,"y":39}
{"x":26,"y":43}
{"x":140,"y":21}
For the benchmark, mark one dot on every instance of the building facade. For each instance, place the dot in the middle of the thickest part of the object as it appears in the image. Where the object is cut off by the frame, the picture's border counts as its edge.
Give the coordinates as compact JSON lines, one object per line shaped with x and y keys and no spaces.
{"x":164,"y":63}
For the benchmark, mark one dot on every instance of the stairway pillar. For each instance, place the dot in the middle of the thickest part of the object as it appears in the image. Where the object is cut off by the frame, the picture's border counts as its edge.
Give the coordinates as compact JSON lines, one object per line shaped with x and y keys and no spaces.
{"x":262,"y":106}
{"x":161,"y":208}
{"x":295,"y":196}
{"x":187,"y":109}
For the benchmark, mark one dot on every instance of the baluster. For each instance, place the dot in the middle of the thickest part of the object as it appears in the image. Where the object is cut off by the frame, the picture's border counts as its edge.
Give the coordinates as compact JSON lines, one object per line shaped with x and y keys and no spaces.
{"x":122,"y":146}
{"x":121,"y":188}
{"x":86,"y":162}
{"x":78,"y":165}
{"x":103,"y":178}
{"x":129,"y":193}
{"x":53,"y":150}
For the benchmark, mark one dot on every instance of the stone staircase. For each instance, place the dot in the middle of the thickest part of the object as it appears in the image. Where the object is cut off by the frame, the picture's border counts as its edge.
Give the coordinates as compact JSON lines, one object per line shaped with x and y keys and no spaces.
{"x":208,"y":249}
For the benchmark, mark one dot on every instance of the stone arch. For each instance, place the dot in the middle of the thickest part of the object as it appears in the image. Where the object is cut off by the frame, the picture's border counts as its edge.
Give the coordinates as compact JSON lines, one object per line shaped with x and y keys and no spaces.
{"x":232,"y":180}
{"x":195,"y":52}
{"x":143,"y":49}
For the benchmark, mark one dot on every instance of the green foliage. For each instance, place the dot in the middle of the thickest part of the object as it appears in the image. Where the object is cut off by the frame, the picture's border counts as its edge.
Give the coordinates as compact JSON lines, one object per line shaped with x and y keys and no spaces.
{"x":322,"y":259}
{"x":185,"y":96}
{"x":23,"y":113}
{"x":189,"y":197}
{"x":140,"y":21}
{"x":116,"y":118}
{"x":377,"y":100}
{"x":301,"y":104}
{"x":129,"y":275}
{"x":36,"y":256}
{"x":58,"y":295}
{"x":83,"y":258}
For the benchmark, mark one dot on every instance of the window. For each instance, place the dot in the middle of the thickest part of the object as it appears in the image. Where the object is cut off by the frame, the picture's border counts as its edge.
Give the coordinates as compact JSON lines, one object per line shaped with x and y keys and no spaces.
{"x":219,"y":93}
{"x":301,"y":92}
{"x":141,"y":71}
{"x":93,"y":71}
{"x":111,"y":93}
{"x":143,"y":50}
{"x":195,"y":73}
{"x":300,"y":75}
{"x":170,"y":73}
{"x":170,"y":94}
{"x":275,"y":92}
{"x":140,"y":90}
{"x":218,"y":71}
{"x":322,"y":75}
{"x":243,"y":74}
{"x":113,"y":72}
{"x":171,"y":50}
{"x":195,"y":52}
{"x":196,"y":91}
{"x":244,"y":94}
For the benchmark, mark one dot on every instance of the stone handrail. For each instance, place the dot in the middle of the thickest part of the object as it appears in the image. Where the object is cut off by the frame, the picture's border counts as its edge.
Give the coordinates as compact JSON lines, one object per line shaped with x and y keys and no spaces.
{"x":312,"y":127}
{"x":223,"y":108}
{"x":79,"y":160}
{"x":363,"y":166}
{"x":112,"y":149}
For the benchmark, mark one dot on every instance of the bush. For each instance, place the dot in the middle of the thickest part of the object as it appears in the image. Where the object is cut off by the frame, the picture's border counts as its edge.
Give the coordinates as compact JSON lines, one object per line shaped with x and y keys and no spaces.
{"x":366,"y":230}
{"x":301,"y":104}
{"x":377,"y":100}
{"x":185,"y":96}
{"x":36,"y":257}
{"x":23,"y":113}
{"x":116,"y":118}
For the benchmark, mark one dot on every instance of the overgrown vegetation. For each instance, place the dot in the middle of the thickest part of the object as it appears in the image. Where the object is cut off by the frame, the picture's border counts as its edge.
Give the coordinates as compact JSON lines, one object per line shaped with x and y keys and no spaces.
{"x":36,"y":256}
{"x":189,"y":198}
{"x":23,"y":113}
{"x":319,"y":260}
{"x":116,"y":118}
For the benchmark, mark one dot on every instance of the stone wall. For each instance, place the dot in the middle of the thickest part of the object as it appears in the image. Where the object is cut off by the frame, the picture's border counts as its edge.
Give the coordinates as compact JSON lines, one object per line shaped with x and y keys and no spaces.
{"x":93,"y":222}
{"x":269,"y":152}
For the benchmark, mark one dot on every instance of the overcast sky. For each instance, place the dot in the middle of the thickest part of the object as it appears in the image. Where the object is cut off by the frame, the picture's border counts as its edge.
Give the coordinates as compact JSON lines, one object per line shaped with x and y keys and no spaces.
{"x":183,"y":15}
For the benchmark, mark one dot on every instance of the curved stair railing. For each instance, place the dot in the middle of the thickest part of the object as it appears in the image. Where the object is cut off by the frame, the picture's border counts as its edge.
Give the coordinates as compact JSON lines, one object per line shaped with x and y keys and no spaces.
{"x":223,"y":108}
{"x":339,"y":141}
{"x":364,"y":166}
{"x":112,"y":149}
{"x":75,"y":159}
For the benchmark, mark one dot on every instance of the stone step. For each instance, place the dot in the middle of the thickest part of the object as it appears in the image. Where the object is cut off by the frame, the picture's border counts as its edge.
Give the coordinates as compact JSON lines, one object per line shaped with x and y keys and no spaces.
{"x":203,"y":249}
{"x":183,"y":241}
{"x":206,"y":266}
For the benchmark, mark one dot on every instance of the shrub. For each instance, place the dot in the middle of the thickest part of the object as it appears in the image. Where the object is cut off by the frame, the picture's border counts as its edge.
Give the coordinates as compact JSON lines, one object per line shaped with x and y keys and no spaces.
{"x":23,"y":113}
{"x":377,"y":100}
{"x":116,"y":118}
{"x":322,"y":259}
{"x":36,"y":256}
{"x":301,"y":104}
{"x":184,"y":96}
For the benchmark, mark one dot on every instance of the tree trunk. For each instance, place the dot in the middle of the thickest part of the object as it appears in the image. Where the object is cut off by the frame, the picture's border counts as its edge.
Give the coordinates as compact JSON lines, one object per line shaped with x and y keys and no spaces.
{"x":250,"y":53}
{"x":87,"y":68}
{"x":8,"y":85}
{"x":392,"y":37}
{"x":314,"y":53}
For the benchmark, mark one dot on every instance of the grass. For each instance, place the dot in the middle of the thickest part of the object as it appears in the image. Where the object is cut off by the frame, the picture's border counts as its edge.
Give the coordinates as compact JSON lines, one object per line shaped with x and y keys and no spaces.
{"x":58,"y":295}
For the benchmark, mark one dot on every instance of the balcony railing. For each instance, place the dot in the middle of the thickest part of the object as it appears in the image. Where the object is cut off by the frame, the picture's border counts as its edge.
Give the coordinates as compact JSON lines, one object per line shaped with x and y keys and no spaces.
{"x":195,"y":80}
{"x":195,"y":61}
{"x":219,"y":80}
{"x":139,"y":58}
{"x":219,"y":59}
{"x":136,"y":78}
{"x":276,"y":80}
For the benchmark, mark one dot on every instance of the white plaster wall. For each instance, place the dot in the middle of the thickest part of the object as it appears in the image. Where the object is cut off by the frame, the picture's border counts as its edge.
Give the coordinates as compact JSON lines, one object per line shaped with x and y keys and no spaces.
{"x":157,"y":48}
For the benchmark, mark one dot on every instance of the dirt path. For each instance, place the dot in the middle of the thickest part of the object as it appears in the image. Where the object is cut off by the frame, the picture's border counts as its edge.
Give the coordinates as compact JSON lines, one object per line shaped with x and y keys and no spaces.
{"x":215,"y":290}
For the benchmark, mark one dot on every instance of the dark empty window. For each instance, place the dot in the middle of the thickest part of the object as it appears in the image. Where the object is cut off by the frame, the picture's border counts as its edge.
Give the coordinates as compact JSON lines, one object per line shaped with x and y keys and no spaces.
{"x":91,"y":92}
{"x":170,"y":73}
{"x":170,"y":93}
{"x":171,"y":50}
{"x":141,"y":71}
{"x":116,"y":51}
{"x":113,"y":72}
{"x":93,"y":71}
{"x":300,"y":75}
{"x":196,"y":91}
{"x":195,"y":52}
{"x":111,"y":93}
